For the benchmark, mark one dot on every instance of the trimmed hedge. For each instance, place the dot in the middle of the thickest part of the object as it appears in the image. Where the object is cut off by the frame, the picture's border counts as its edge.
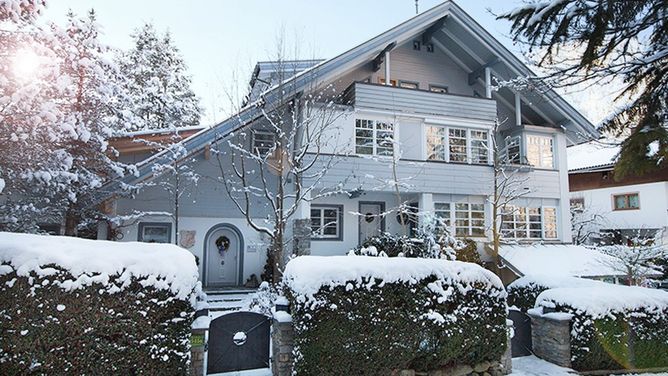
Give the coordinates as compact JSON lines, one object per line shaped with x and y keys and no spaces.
{"x":611,"y":335}
{"x":48,"y":330}
{"x":372,"y":326}
{"x":522,"y":293}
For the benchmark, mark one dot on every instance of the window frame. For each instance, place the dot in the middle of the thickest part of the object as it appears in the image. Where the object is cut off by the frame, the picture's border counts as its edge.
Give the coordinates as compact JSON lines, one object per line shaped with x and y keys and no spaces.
{"x":339,"y":222}
{"x":393,"y":82}
{"x":627,"y":197}
{"x":540,"y":164}
{"x":402,"y":82}
{"x":445,"y":139}
{"x":521,"y":222}
{"x":255,"y":150}
{"x":143,"y":225}
{"x":439,"y":89}
{"x":451,"y":219}
{"x":512,"y":142}
{"x":374,"y":137}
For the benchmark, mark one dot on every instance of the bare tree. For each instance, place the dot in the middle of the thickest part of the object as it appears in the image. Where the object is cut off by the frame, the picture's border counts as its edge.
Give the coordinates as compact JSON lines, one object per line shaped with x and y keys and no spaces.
{"x":586,"y":224}
{"x":509,"y":184}
{"x":636,"y":259}
{"x":278,"y":162}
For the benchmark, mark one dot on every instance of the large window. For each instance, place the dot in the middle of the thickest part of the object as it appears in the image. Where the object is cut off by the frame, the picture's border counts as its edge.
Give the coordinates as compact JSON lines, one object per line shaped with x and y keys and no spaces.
{"x":539,"y":151}
{"x":627,"y":201}
{"x":529,"y":223}
{"x":326,"y":222}
{"x":155,"y":232}
{"x":373,"y":137}
{"x":457,"y":145}
{"x":513,"y":150}
{"x":465,"y":219}
{"x":263,"y":142}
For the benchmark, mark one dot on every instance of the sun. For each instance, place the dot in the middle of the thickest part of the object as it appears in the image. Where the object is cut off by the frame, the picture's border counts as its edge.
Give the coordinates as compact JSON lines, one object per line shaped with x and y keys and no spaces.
{"x":25,"y":63}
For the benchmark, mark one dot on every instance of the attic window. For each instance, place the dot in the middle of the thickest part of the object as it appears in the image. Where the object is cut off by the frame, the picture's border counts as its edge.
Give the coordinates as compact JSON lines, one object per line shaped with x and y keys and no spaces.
{"x":430,"y":47}
{"x":263,"y":142}
{"x":417,"y":45}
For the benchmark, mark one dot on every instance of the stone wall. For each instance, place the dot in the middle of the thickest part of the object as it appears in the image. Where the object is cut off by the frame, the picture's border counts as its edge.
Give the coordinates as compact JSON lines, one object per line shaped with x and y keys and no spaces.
{"x":282,"y":337}
{"x":551,"y":336}
{"x":198,"y":339}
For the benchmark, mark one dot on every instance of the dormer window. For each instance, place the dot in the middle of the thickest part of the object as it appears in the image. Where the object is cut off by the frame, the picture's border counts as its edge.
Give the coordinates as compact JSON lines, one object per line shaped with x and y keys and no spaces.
{"x":263,"y":142}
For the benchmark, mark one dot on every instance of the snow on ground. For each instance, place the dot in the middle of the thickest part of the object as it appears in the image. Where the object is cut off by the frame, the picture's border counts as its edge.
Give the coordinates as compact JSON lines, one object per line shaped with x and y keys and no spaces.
{"x":305,"y":275}
{"x":591,"y":154}
{"x":606,"y":298}
{"x":534,"y":366}
{"x":163,"y":266}
{"x":559,"y":260}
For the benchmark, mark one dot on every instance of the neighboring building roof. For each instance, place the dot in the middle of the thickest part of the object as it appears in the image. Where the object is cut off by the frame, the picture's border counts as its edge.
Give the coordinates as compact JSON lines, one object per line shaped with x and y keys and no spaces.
{"x":558,"y":260}
{"x":146,"y":140}
{"x":474,"y":46}
{"x":592,"y":156}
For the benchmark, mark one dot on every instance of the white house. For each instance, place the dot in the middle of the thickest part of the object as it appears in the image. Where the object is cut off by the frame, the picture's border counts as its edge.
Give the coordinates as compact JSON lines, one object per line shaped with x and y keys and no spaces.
{"x":424,"y":90}
{"x":625,"y":208}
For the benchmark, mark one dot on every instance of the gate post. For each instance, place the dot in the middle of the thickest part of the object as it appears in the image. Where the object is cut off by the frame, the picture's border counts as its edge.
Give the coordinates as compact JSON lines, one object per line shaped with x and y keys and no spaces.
{"x":199,"y":336}
{"x":282,"y":338}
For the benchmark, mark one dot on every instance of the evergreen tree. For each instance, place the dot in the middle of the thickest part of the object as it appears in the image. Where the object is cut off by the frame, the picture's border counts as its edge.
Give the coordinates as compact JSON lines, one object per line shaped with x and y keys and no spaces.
{"x":157,"y":84}
{"x":89,"y":109}
{"x":584,"y":42}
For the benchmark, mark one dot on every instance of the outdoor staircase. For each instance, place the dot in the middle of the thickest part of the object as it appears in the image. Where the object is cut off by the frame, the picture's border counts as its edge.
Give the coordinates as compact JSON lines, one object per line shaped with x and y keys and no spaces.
{"x":223,"y":301}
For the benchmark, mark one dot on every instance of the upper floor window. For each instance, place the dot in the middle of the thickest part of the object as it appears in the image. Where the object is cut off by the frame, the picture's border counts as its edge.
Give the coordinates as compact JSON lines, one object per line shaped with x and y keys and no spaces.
{"x":540,"y":151}
{"x":513,"y":150}
{"x":326,"y":222}
{"x":374,"y":137}
{"x":529,"y":223}
{"x":381,"y":80}
{"x":457,"y":145}
{"x":155,"y":232}
{"x":438,"y":89}
{"x":263,"y":142}
{"x":627,"y":201}
{"x":409,"y":84}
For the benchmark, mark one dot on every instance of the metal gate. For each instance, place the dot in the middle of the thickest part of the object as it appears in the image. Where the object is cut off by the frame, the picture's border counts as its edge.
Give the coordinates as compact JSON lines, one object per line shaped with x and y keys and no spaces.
{"x":238,"y":341}
{"x":521,"y":341}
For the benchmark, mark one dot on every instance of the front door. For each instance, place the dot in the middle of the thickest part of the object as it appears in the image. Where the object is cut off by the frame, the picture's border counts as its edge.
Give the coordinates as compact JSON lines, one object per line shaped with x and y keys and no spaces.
{"x":222,"y":263}
{"x":371,"y":223}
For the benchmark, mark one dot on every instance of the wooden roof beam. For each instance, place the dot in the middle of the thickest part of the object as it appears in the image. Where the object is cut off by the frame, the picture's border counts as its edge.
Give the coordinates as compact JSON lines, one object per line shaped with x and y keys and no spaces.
{"x":473,"y":76}
{"x":429,"y":33}
{"x":378,"y":61}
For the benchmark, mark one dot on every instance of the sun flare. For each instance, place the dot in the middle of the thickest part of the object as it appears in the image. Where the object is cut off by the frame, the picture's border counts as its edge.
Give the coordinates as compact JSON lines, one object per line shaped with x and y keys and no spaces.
{"x":25,"y":63}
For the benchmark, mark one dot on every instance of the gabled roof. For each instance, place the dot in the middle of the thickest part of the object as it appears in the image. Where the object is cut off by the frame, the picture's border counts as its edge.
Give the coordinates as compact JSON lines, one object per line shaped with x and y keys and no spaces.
{"x":446,"y":21}
{"x":592,"y":156}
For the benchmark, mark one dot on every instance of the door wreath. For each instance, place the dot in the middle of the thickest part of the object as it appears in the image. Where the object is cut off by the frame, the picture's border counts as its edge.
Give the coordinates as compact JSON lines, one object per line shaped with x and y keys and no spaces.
{"x":223,"y":244}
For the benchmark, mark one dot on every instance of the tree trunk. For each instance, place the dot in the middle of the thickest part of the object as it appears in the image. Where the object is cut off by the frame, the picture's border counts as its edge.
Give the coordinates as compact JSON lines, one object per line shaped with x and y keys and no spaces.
{"x":71,"y":221}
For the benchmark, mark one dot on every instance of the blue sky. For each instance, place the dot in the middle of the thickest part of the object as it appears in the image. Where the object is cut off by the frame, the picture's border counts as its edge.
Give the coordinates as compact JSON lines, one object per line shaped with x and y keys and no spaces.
{"x":220,"y":38}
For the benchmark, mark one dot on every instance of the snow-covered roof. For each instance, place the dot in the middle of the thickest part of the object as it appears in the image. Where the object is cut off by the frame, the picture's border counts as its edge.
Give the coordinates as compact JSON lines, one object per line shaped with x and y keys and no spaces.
{"x":591,"y":155}
{"x":162,"y":131}
{"x":163,"y":266}
{"x":558,"y":260}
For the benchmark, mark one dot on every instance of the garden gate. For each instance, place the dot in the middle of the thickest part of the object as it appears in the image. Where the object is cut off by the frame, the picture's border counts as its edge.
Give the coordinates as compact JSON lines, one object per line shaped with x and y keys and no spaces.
{"x":521,"y":341}
{"x":238,"y":341}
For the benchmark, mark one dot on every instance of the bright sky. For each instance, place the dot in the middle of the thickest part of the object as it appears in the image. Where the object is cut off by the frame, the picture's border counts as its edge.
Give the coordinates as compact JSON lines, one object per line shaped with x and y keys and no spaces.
{"x":221,"y":38}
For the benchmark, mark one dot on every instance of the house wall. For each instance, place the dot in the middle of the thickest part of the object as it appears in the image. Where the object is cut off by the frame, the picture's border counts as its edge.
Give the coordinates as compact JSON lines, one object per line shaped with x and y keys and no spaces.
{"x":653,"y":212}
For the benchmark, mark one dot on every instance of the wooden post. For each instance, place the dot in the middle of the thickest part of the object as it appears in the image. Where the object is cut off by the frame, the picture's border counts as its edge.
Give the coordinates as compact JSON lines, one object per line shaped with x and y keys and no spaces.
{"x":387,"y":69}
{"x":488,"y":82}
{"x":518,"y":109}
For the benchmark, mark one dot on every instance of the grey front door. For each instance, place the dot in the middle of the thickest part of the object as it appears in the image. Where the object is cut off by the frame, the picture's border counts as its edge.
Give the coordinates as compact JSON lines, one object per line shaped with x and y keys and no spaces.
{"x":222,"y":263}
{"x":370,"y":220}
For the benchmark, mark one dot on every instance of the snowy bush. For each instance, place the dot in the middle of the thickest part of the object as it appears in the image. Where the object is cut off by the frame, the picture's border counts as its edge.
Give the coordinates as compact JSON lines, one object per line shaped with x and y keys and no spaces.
{"x":613,"y":326}
{"x":423,"y":245}
{"x":522,"y":293}
{"x":358,"y":315}
{"x":75,"y":306}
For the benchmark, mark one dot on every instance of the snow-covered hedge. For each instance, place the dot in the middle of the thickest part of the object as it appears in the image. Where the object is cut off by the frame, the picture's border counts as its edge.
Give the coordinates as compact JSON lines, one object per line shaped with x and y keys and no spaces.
{"x":522,"y":293}
{"x":360,"y":315}
{"x":75,"y":306}
{"x":613,"y":326}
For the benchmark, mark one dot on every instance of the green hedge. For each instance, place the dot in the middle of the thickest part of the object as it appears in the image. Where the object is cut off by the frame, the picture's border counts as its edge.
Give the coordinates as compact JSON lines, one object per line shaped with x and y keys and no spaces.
{"x":370,"y":326}
{"x":46,"y":329}
{"x":522,"y":293}
{"x":634,"y":336}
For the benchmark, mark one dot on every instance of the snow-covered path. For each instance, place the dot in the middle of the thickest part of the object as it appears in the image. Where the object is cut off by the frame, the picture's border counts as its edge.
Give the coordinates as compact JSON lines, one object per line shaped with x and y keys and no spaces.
{"x":534,"y":366}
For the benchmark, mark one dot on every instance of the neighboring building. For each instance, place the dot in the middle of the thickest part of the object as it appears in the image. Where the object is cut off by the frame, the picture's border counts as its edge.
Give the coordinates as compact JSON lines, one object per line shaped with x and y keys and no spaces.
{"x":427,"y":86}
{"x":625,"y":208}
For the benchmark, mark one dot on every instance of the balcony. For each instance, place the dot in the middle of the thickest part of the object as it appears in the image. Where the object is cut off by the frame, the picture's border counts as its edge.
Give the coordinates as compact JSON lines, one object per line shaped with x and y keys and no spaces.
{"x":423,"y":102}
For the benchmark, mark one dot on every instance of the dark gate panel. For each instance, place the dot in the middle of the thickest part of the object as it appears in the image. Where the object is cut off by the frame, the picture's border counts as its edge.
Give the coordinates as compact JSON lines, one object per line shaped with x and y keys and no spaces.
{"x":238,"y":341}
{"x":521,"y":341}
